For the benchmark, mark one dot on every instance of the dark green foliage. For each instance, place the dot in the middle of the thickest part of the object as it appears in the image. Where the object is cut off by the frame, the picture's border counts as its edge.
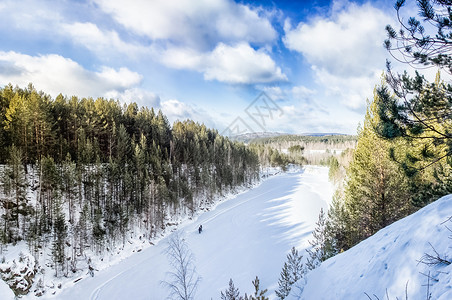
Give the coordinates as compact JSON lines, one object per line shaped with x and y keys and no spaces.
{"x":14,"y":201}
{"x":418,"y":112}
{"x":59,"y":239}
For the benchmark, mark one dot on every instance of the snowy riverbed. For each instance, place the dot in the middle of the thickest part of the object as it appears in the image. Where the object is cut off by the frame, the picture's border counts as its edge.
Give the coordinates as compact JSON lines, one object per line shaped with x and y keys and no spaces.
{"x":243,"y":237}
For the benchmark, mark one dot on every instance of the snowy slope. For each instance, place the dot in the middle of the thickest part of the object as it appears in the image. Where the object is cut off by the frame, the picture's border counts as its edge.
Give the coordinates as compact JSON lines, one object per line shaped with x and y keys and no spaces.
{"x":389,"y":260}
{"x":246,"y":236}
{"x":5,"y":291}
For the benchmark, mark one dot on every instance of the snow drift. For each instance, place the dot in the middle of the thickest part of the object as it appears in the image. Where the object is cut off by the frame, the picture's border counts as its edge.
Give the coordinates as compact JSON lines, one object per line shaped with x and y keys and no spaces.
{"x":389,"y":264}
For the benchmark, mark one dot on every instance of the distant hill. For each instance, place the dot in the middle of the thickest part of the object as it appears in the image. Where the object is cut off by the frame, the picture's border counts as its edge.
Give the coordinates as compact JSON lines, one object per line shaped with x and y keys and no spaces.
{"x":248,"y":137}
{"x":321,"y":134}
{"x":251,"y":136}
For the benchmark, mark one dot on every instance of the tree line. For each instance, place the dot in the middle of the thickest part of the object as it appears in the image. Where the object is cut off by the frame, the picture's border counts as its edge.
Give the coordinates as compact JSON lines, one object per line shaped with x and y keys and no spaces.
{"x":78,"y":174}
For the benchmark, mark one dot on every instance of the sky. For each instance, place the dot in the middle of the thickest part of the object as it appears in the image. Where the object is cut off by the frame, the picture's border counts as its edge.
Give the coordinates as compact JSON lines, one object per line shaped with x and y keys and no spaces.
{"x":236,"y":66}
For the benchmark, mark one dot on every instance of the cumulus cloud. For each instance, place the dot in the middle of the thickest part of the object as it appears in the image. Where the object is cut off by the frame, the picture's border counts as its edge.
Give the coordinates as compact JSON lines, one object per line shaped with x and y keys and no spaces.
{"x":30,"y":15}
{"x":301,"y":92}
{"x":99,"y":41}
{"x":345,"y":49}
{"x":239,"y":64}
{"x":195,"y":23}
{"x":56,"y":74}
{"x":213,"y":37}
{"x":208,"y":36}
{"x":138,"y":95}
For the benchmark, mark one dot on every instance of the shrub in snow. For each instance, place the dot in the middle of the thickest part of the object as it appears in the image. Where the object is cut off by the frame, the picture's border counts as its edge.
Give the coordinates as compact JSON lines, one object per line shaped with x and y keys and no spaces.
{"x":19,"y":275}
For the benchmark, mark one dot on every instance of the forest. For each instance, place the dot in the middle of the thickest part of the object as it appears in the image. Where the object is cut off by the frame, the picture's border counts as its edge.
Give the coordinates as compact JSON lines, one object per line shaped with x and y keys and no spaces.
{"x":79,"y":174}
{"x":309,"y":149}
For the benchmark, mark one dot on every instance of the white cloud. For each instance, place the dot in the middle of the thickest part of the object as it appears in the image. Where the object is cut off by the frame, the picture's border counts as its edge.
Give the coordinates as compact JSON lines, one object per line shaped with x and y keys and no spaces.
{"x":195,"y":23}
{"x":56,"y":74}
{"x":209,"y":36}
{"x":274,"y":92}
{"x":134,"y":94}
{"x":301,"y":92}
{"x":345,"y":50}
{"x":30,"y":15}
{"x":99,"y":41}
{"x":239,"y":64}
{"x":173,"y":109}
{"x":176,"y":109}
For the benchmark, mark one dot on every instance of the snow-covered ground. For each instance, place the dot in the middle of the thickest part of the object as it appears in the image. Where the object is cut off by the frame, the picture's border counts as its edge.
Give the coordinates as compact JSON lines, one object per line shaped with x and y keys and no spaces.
{"x":388,"y":263}
{"x":245,"y":236}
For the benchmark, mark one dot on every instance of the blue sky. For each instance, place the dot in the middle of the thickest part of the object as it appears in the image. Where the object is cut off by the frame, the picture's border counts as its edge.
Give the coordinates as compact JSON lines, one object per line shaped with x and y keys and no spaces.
{"x":207,"y":60}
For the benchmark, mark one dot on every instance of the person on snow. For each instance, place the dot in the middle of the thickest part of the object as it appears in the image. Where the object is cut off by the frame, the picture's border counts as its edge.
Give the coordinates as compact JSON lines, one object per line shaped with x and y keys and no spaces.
{"x":200,"y":228}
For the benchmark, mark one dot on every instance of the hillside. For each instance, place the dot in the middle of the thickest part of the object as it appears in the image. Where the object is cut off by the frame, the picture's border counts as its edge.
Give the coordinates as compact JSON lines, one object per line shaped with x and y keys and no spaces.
{"x":392,"y":261}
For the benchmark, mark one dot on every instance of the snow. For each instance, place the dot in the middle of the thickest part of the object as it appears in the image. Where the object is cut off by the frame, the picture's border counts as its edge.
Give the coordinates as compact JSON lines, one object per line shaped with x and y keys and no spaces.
{"x":245,"y":236}
{"x":5,"y":292}
{"x":387,"y":263}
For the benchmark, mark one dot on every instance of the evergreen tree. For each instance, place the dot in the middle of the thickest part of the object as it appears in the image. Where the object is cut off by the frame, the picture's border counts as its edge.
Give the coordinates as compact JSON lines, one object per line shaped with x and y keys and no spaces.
{"x":232,"y":293}
{"x":69,"y":185}
{"x":336,"y":228}
{"x":284,"y":282}
{"x":15,"y":203}
{"x":377,"y":191}
{"x":319,"y":245}
{"x":59,"y":239}
{"x":258,"y":293}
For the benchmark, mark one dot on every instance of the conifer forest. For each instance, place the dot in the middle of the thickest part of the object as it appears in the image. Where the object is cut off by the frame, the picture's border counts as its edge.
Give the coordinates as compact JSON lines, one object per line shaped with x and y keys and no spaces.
{"x":96,"y":169}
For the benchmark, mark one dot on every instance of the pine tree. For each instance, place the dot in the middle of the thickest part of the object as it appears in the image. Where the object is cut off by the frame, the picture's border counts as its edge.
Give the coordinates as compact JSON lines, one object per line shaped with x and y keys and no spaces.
{"x":317,"y":253}
{"x":232,"y":293}
{"x":59,"y":238}
{"x":258,"y":293}
{"x":376,"y":192}
{"x":284,"y":282}
{"x":291,"y":273}
{"x":15,"y":189}
{"x":336,"y":226}
{"x":69,"y":185}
